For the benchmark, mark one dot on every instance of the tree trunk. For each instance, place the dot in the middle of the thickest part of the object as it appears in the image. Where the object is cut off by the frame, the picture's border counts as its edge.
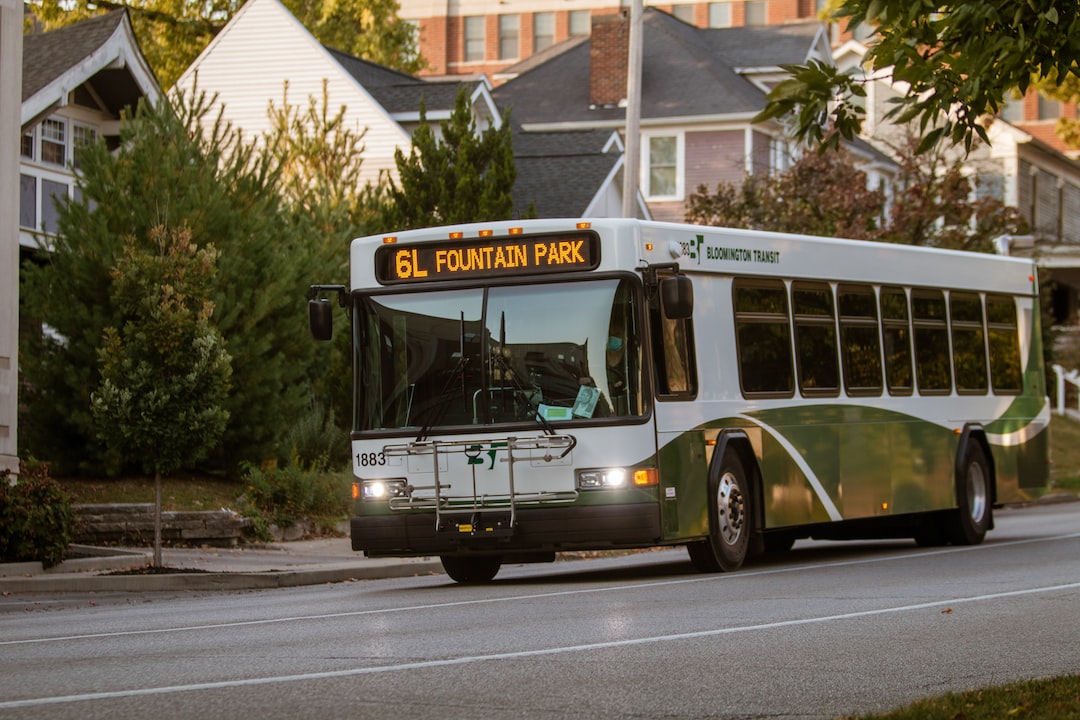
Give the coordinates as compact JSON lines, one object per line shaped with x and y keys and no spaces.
{"x":157,"y":518}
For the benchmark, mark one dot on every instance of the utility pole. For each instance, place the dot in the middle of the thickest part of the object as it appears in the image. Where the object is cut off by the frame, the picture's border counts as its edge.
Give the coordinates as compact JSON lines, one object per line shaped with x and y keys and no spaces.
{"x":632,"y":166}
{"x":11,"y":40}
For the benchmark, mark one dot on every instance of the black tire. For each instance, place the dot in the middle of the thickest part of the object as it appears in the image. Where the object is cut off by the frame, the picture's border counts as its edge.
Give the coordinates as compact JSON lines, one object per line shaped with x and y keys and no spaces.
{"x":472,"y":569}
{"x":729,"y":520}
{"x":973,"y":517}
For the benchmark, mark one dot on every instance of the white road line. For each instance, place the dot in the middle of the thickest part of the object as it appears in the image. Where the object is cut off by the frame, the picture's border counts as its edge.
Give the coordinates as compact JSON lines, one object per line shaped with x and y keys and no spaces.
{"x":428,"y":664}
{"x":728,"y":577}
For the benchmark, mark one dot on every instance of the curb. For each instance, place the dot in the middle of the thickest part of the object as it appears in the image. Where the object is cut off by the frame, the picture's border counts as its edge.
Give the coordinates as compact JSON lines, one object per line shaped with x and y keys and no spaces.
{"x":221,"y":580}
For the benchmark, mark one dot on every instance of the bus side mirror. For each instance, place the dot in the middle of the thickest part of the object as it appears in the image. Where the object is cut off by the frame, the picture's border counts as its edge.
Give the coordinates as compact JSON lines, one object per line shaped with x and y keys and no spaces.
{"x":321,"y":318}
{"x":677,"y":297}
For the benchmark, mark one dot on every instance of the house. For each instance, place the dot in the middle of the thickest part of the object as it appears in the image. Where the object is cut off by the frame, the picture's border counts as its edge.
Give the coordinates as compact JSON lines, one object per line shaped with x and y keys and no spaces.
{"x":276,"y":52}
{"x":77,"y":83}
{"x":700,"y":89}
{"x":471,"y":37}
{"x":1026,"y":166}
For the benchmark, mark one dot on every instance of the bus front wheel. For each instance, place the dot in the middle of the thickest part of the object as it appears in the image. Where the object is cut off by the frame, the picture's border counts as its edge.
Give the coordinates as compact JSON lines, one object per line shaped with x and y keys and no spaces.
{"x":729,"y":520}
{"x":471,"y":570}
{"x":972,"y":518}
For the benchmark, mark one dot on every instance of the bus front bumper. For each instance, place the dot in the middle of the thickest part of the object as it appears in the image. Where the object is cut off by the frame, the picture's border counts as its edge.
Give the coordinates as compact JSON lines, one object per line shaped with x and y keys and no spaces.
{"x":595,"y":527}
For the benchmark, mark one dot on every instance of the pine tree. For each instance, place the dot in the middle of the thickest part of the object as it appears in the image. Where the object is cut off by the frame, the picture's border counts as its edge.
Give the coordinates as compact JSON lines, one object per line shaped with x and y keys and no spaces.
{"x":172,"y":168}
{"x":456,"y":177}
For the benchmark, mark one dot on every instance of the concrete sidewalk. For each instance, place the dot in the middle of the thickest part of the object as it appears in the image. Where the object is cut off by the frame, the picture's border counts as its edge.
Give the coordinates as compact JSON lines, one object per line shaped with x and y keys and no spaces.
{"x":304,"y":562}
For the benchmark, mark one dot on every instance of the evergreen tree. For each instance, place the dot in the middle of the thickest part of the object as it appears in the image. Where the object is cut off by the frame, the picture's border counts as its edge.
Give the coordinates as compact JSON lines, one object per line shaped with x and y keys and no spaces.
{"x":455,"y":177}
{"x":164,"y":369}
{"x":172,"y":168}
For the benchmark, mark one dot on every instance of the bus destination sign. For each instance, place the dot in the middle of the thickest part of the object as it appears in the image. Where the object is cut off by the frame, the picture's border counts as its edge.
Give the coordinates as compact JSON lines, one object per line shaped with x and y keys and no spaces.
{"x":487,"y":257}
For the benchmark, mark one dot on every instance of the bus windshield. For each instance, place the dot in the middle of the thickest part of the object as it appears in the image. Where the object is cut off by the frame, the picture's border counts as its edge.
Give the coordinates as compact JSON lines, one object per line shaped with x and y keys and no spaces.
{"x":544,"y":353}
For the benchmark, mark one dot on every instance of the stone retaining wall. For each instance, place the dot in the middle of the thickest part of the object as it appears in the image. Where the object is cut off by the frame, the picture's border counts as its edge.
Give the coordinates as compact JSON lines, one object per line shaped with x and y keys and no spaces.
{"x":133,"y":524}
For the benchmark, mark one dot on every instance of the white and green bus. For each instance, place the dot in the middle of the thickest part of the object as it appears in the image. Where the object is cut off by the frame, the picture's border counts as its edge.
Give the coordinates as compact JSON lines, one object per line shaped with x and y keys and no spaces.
{"x":529,"y":387}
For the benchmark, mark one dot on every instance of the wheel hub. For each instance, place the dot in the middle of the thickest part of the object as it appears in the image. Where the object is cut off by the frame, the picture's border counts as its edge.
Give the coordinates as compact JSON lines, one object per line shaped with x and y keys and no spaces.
{"x":731,"y":509}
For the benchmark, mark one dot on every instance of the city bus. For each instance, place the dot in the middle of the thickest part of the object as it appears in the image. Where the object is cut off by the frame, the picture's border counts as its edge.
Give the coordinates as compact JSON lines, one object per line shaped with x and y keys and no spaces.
{"x":525,"y":388}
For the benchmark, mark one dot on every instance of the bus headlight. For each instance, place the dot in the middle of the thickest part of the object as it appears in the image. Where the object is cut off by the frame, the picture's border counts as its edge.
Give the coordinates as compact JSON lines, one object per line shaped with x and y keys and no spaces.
{"x":372,"y":490}
{"x":614,"y":478}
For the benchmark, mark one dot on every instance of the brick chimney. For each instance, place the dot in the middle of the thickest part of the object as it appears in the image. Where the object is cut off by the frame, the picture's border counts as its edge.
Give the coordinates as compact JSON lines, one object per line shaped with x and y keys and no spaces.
{"x":609,"y":55}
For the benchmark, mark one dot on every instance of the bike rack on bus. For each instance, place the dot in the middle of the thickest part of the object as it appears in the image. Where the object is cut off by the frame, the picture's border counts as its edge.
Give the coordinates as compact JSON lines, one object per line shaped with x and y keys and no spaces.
{"x":446,"y":505}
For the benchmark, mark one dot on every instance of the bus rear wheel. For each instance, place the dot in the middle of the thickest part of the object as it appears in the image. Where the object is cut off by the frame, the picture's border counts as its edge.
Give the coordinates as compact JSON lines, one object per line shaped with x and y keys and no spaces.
{"x":729,"y":520}
{"x":471,"y":570}
{"x":972,"y":518}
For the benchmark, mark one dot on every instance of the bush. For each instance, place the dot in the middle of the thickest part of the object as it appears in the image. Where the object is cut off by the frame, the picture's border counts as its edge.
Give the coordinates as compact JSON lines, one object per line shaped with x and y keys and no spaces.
{"x":284,"y":496}
{"x":36,"y":519}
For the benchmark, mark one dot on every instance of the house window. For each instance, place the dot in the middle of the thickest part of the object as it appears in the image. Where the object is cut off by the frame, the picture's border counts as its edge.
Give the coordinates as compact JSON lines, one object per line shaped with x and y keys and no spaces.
{"x":28,"y":202}
{"x":27,"y":148}
{"x":757,"y":12}
{"x":662,"y":166}
{"x":53,"y":141}
{"x":543,"y":31}
{"x":1049,"y":109}
{"x":52,"y":194}
{"x":580,"y":23}
{"x":474,"y":38}
{"x":509,"y":30}
{"x":719,"y":14}
{"x":684,"y":13}
{"x":82,"y":135}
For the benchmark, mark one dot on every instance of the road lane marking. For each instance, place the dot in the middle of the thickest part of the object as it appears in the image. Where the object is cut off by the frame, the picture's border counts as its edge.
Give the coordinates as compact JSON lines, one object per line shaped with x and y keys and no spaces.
{"x":535,"y":596}
{"x":521,"y":654}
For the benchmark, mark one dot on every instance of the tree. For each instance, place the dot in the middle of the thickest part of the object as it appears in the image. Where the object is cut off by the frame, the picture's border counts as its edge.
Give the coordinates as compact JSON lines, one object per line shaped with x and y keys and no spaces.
{"x":825,"y":194}
{"x":172,"y":33}
{"x":174,"y":168}
{"x":458,"y":177}
{"x":933,"y":204}
{"x":959,"y":61}
{"x":164,"y":368}
{"x":820,"y":194}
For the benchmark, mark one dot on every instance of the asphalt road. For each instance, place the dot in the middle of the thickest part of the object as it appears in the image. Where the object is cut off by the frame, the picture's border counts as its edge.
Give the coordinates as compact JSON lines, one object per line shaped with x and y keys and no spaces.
{"x":827,"y":630}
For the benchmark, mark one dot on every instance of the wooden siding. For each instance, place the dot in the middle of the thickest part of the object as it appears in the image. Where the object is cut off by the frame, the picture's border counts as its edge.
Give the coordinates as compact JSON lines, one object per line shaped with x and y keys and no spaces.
{"x":264,"y":46}
{"x":713,"y":157}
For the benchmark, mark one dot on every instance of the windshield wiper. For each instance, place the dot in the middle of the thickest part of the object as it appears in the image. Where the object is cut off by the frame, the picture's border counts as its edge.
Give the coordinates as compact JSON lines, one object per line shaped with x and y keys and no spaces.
{"x":511,"y":376}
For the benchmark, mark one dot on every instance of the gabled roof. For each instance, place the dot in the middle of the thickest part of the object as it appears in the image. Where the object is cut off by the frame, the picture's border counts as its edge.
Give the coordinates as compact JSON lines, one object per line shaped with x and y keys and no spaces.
{"x":564,"y":172}
{"x":101,"y":52}
{"x":686,"y":72}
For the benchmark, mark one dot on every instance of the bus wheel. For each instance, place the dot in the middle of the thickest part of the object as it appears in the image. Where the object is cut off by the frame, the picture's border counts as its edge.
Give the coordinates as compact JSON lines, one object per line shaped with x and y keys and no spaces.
{"x":469,"y":570}
{"x":972,"y":518}
{"x":729,"y":520}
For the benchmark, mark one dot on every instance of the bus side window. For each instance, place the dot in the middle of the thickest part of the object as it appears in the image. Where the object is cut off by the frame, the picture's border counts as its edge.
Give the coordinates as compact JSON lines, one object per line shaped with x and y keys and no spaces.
{"x":933,"y":371}
{"x":1004,"y":340}
{"x":763,"y":337}
{"x":673,"y":352}
{"x":896,"y":338}
{"x":815,"y":339}
{"x":969,"y":345}
{"x":859,"y":341}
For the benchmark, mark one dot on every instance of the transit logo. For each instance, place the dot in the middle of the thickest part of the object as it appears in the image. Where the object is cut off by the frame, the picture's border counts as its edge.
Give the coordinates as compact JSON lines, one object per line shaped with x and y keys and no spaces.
{"x":694,"y":249}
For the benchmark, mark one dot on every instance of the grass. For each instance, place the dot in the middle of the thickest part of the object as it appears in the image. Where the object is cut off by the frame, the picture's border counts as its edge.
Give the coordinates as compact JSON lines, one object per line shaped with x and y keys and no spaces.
{"x":182,"y":491}
{"x":1065,"y":451}
{"x":1049,"y":699}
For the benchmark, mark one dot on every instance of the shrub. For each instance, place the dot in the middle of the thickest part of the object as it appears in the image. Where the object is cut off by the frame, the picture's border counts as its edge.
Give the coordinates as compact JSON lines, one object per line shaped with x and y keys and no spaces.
{"x":283,"y":496}
{"x":36,"y":519}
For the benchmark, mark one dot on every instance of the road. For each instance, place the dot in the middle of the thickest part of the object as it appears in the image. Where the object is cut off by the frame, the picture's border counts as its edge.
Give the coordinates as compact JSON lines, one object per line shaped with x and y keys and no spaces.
{"x":827,"y":630}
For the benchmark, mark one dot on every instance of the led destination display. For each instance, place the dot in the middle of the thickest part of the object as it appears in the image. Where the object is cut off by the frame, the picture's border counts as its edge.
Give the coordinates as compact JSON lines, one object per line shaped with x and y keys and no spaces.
{"x":486,"y":257}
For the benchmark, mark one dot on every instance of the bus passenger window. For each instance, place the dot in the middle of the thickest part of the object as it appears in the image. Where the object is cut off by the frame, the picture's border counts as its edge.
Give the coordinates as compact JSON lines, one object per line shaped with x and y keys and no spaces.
{"x":673,"y":352}
{"x":1001,"y":330}
{"x":815,"y":339}
{"x":969,"y":348}
{"x":763,"y":337}
{"x":932,"y":369}
{"x":859,"y":343}
{"x":896,"y":336}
